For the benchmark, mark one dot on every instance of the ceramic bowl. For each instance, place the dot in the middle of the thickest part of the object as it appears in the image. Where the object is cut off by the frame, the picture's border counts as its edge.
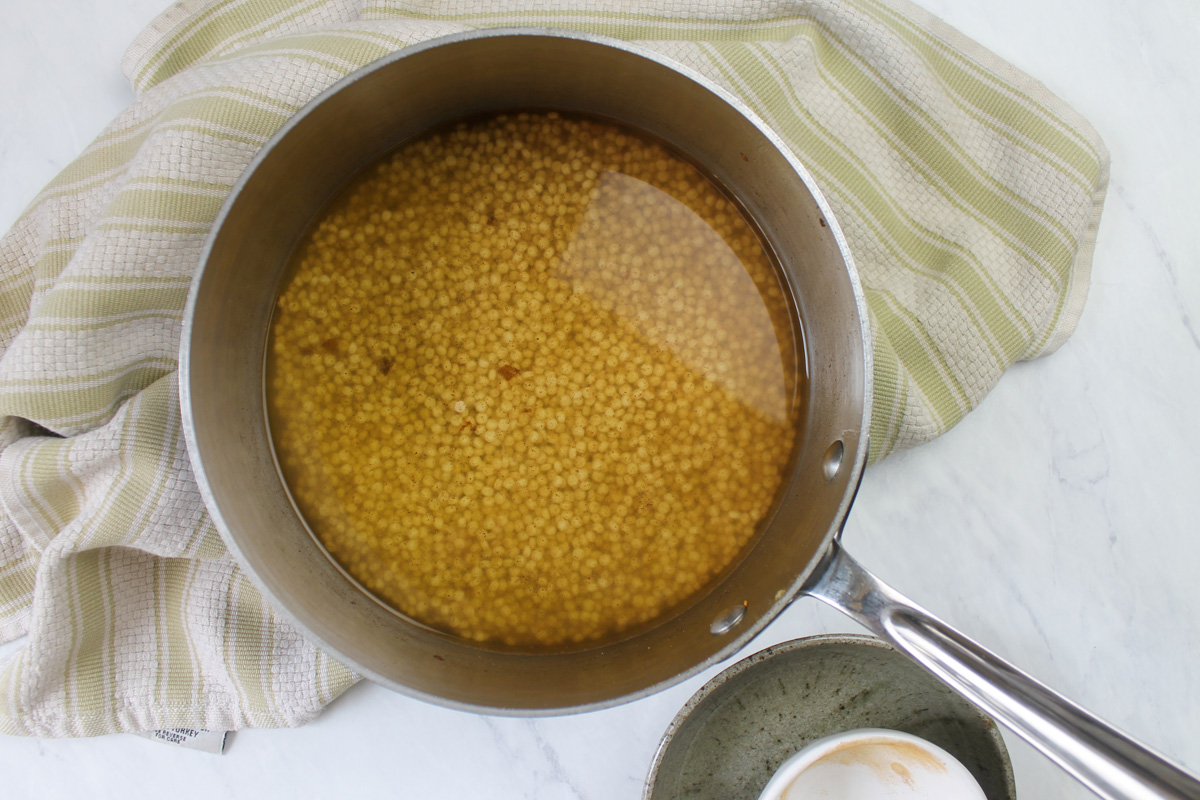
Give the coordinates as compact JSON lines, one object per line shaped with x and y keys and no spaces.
{"x":732,"y":735}
{"x":869,"y":764}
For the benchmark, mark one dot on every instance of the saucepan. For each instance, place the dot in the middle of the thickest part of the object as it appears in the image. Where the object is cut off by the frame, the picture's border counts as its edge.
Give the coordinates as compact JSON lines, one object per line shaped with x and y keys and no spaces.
{"x":797,"y":551}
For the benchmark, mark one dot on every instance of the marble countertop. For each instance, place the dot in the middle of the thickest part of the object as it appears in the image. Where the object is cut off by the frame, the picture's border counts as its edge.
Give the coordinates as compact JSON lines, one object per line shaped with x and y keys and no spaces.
{"x":1057,"y":524}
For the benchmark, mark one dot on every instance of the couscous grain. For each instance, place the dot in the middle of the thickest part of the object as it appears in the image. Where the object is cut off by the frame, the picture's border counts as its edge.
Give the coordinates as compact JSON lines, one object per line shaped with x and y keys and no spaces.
{"x":526,"y":380}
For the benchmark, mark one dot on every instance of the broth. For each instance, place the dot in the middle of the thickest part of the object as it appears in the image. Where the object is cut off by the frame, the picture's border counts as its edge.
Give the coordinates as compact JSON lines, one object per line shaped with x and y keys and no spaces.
{"x":531,"y":380}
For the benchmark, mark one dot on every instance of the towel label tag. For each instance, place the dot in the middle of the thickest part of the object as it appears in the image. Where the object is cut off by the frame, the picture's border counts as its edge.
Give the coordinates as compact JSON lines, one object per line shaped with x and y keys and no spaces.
{"x":204,"y":741}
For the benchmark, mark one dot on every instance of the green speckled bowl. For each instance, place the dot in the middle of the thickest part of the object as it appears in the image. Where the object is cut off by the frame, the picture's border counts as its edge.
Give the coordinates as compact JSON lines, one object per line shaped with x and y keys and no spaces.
{"x":736,"y":731}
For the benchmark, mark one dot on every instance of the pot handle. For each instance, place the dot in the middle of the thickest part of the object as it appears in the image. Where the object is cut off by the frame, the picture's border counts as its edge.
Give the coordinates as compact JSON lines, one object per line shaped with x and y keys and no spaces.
{"x":1105,"y":760}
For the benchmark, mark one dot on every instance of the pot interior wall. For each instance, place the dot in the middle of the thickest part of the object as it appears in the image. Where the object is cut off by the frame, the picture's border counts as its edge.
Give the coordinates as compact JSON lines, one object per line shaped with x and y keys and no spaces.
{"x":303,"y":168}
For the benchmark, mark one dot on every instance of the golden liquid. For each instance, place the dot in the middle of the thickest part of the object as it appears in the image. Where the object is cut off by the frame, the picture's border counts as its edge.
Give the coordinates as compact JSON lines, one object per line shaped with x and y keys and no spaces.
{"x":526,"y":380}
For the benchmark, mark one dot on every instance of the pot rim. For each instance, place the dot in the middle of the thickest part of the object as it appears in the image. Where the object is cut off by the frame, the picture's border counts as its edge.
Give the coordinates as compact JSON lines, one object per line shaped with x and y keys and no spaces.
{"x":856,"y":460}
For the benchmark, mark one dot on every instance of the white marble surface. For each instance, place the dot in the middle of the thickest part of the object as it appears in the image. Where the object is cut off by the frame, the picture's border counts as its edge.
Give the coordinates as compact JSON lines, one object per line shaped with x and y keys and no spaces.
{"x":1057,"y":524}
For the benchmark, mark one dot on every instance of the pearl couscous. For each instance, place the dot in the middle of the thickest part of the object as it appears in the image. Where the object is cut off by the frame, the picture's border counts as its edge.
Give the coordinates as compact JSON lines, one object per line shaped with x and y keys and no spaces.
{"x":526,"y":380}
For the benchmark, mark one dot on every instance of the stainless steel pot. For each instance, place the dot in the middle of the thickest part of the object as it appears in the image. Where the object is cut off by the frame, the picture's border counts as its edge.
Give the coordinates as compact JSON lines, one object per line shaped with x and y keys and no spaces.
{"x":370,"y":112}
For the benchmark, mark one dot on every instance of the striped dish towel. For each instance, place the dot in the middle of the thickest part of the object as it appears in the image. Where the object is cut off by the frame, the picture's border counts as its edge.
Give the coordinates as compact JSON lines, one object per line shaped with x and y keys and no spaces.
{"x":969,"y":195}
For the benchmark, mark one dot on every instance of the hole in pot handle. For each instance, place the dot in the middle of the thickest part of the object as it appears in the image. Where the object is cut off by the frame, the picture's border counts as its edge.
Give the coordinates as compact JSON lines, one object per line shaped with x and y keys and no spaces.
{"x":728,"y":620}
{"x":832,"y":463}
{"x":1105,"y":760}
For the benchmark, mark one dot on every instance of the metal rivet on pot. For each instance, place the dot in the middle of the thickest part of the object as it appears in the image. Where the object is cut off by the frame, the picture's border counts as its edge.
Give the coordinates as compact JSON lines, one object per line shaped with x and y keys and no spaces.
{"x":727,"y":620}
{"x":833,"y":460}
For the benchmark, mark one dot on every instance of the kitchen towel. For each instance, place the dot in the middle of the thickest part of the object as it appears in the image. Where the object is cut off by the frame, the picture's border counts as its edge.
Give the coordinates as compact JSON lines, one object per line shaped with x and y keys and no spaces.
{"x":968,"y":193}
